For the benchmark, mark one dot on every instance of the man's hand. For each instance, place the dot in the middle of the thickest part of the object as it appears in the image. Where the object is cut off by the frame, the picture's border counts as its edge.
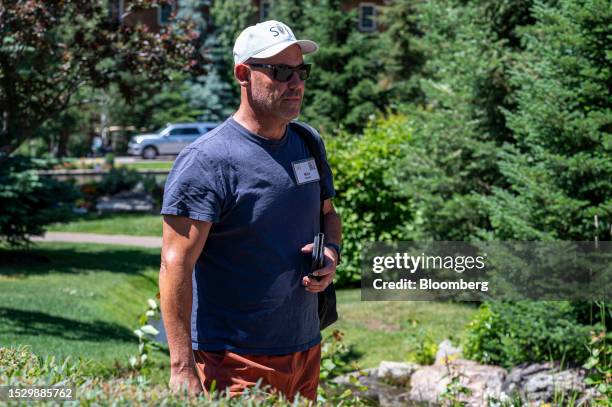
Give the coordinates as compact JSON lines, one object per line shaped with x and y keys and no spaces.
{"x":185,"y":379}
{"x":327,"y":272}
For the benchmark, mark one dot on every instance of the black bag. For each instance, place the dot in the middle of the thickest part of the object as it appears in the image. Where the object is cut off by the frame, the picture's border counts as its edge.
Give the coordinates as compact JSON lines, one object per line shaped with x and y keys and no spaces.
{"x":328,"y":313}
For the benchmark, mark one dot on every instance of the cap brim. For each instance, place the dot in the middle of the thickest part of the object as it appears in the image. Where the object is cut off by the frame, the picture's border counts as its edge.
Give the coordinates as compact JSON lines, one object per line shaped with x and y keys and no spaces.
{"x":307,"y":46}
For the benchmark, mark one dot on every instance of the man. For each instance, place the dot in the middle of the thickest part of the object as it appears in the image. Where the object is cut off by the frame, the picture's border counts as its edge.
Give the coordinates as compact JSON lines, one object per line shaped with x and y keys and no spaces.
{"x":241,"y":208}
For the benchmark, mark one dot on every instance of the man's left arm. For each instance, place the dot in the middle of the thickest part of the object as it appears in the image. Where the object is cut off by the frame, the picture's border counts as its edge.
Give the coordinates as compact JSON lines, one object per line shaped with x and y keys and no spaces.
{"x":332,"y":227}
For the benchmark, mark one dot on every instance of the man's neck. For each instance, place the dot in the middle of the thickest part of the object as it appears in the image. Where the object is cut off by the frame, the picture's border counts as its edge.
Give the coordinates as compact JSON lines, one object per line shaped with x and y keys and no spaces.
{"x":267,"y":128}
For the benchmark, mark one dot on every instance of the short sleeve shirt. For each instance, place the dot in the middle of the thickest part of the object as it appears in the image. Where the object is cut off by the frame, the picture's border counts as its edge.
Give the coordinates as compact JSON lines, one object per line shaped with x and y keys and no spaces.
{"x":247,"y":291}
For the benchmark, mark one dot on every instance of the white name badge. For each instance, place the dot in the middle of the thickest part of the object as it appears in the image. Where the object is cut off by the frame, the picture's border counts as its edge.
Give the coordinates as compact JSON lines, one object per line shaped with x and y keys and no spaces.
{"x":305,"y":171}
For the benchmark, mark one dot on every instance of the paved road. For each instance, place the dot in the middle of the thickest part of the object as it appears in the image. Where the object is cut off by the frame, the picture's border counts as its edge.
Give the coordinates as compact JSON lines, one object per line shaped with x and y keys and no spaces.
{"x":123,"y":240}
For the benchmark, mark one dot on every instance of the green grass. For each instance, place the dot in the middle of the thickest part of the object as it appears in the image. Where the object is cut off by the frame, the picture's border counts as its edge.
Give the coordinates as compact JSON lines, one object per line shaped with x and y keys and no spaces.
{"x":77,"y":300}
{"x":84,"y":301}
{"x":390,"y":330}
{"x":153,"y":165}
{"x":121,"y":224}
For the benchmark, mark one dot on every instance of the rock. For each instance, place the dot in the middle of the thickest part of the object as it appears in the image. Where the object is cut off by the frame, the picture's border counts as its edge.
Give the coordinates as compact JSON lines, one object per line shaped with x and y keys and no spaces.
{"x":371,"y":387}
{"x":361,"y":375}
{"x":483,"y":381}
{"x":539,"y":382}
{"x":447,"y":352}
{"x":396,"y":372}
{"x":126,"y":202}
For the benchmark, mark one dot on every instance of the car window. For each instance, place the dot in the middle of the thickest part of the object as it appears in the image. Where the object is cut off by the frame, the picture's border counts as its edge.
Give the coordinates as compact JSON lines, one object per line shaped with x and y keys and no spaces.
{"x":176,"y":132}
{"x":191,"y":131}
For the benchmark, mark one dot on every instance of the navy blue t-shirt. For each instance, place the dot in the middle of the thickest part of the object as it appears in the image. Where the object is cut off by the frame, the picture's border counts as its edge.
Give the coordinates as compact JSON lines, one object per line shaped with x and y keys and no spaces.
{"x":248,"y":296}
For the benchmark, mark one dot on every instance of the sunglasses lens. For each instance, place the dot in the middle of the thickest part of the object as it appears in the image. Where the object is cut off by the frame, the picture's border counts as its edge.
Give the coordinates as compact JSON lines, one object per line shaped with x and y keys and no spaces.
{"x":304,"y":72}
{"x":284,"y":73}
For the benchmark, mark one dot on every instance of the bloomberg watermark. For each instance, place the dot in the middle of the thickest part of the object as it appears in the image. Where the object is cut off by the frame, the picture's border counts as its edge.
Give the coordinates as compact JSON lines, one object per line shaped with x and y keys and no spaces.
{"x":476,"y":271}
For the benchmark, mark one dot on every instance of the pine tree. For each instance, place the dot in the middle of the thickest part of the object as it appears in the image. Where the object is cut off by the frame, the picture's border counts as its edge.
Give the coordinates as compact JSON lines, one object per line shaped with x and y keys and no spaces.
{"x":343,"y":88}
{"x":560,"y":166}
{"x":451,"y":162}
{"x":211,"y":94}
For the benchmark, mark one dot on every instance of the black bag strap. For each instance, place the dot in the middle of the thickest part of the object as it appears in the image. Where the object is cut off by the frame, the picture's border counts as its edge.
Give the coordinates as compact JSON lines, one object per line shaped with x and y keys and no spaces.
{"x":313,"y":146}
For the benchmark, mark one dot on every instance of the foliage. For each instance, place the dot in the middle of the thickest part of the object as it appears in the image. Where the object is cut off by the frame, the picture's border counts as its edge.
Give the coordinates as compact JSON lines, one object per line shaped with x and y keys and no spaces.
{"x":146,"y":334}
{"x":599,"y":362}
{"x":29,"y":201}
{"x":229,"y":19}
{"x":511,"y":333}
{"x":212,"y":95}
{"x":50,"y":50}
{"x":333,"y":356}
{"x":21,"y":367}
{"x":455,"y":390}
{"x":559,"y":167}
{"x":404,"y":55}
{"x":365,"y":182}
{"x":423,"y":348}
{"x":118,"y":179}
{"x":154,"y":106}
{"x":457,"y":125}
{"x":342,"y":90}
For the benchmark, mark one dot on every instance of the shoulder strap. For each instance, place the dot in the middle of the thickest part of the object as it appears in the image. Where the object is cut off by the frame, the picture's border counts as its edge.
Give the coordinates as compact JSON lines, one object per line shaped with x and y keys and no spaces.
{"x":312,"y":145}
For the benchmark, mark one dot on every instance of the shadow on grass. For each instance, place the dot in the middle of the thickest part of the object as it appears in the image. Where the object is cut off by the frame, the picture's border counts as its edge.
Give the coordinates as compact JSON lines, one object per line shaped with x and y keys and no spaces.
{"x":37,"y":323}
{"x":77,"y":259}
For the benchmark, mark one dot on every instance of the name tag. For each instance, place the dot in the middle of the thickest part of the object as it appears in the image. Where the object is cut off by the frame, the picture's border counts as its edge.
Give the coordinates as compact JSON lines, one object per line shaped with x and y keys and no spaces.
{"x":305,"y":171}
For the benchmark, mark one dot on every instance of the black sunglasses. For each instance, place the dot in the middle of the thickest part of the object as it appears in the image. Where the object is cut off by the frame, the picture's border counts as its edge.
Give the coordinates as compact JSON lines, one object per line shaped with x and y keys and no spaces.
{"x":283,"y":73}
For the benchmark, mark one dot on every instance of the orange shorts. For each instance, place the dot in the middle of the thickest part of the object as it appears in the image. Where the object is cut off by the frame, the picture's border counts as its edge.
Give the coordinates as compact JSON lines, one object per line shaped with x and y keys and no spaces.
{"x":290,"y":374}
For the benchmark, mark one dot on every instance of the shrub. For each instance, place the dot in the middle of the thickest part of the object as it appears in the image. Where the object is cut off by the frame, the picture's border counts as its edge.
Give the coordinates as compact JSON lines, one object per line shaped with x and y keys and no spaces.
{"x":29,"y":201}
{"x":20,"y":367}
{"x":507,"y":334}
{"x":118,"y":180}
{"x":367,"y":197}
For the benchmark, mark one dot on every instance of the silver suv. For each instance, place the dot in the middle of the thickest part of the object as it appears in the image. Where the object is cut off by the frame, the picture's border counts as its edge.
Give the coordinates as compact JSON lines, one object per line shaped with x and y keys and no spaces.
{"x":170,"y":140}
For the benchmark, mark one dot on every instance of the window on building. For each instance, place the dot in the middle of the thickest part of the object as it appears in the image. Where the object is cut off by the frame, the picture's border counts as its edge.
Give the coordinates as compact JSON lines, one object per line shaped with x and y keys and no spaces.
{"x":264,"y":10}
{"x":116,"y":8}
{"x":367,"y":17}
{"x":165,"y":12}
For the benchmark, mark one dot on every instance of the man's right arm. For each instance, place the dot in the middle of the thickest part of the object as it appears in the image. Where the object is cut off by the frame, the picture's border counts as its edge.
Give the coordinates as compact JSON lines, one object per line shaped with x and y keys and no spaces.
{"x":183,"y":241}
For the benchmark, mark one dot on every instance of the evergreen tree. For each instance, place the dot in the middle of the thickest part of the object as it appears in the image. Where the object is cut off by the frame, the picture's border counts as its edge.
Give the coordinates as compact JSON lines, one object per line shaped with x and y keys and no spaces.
{"x":343,"y":89}
{"x":229,"y":19}
{"x":560,"y":166}
{"x":457,"y":130}
{"x":404,"y":54}
{"x":210,"y":94}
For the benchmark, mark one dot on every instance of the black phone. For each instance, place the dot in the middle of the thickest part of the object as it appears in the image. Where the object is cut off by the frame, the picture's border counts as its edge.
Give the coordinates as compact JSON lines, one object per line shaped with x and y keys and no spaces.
{"x":318,"y":256}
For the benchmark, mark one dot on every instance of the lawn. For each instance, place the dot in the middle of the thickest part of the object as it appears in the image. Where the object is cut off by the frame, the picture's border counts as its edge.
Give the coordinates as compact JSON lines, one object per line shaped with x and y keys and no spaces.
{"x":153,"y":165}
{"x":84,"y":300}
{"x":77,"y":300}
{"x":117,"y":224}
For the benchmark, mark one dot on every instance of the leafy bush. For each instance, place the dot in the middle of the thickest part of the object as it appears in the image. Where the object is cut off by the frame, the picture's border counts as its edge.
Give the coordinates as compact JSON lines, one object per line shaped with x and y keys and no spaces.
{"x":507,"y":334}
{"x":367,"y":197}
{"x":29,"y":201}
{"x":118,"y":180}
{"x":20,"y":367}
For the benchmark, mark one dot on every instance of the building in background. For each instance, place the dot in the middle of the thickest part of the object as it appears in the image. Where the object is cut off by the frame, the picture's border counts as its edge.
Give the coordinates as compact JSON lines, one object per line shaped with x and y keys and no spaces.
{"x":155,"y":18}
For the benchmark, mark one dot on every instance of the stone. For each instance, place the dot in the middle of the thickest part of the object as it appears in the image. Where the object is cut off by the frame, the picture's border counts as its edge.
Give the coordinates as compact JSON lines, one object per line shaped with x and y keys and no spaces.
{"x":125,"y":202}
{"x":483,"y":382}
{"x":396,"y":372}
{"x":540,"y":381}
{"x":447,"y":352}
{"x":365,"y":384}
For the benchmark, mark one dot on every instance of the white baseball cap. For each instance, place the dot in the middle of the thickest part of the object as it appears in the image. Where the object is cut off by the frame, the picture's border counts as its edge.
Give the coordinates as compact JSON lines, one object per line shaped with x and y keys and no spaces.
{"x":267,"y":39}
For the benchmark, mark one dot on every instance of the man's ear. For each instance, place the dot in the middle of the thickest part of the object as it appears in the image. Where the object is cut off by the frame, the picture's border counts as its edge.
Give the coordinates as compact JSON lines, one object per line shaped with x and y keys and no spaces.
{"x":242,"y":73}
